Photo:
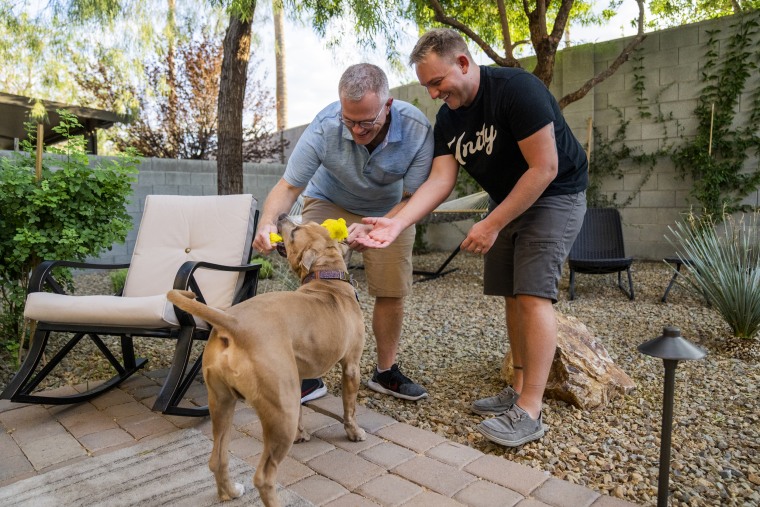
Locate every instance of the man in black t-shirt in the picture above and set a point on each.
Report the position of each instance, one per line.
(504, 128)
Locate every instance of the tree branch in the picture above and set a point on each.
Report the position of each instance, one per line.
(614, 66)
(539, 15)
(506, 37)
(560, 22)
(440, 16)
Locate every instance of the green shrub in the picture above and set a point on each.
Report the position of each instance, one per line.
(725, 265)
(118, 277)
(75, 211)
(267, 270)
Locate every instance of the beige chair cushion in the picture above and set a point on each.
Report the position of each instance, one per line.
(174, 229)
(150, 312)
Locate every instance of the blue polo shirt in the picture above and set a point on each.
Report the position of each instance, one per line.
(332, 167)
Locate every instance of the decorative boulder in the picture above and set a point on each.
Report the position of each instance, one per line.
(582, 374)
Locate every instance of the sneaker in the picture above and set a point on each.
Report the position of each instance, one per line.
(312, 388)
(495, 405)
(512, 429)
(396, 384)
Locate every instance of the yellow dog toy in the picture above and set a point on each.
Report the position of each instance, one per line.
(337, 229)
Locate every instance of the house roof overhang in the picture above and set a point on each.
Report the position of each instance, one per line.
(14, 111)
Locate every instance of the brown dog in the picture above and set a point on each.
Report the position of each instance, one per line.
(260, 350)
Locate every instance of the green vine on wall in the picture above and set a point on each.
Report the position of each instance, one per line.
(613, 158)
(608, 160)
(639, 86)
(716, 156)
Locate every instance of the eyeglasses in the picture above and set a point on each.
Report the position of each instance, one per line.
(366, 125)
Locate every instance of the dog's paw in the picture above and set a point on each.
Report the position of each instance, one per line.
(302, 436)
(235, 491)
(356, 435)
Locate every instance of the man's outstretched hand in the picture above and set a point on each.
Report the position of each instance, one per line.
(384, 232)
(356, 234)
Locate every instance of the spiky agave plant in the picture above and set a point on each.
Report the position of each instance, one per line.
(724, 265)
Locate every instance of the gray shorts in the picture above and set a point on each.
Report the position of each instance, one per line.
(528, 254)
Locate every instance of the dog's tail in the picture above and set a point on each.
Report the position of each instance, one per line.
(186, 301)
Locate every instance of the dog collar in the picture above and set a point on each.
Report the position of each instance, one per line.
(327, 275)
(331, 275)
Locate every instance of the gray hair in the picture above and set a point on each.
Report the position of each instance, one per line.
(363, 78)
(444, 42)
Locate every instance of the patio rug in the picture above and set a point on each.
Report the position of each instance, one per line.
(168, 470)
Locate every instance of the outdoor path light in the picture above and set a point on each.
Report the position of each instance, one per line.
(671, 347)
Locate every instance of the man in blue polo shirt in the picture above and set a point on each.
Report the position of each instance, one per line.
(364, 155)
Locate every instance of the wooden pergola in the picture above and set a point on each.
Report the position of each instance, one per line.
(14, 111)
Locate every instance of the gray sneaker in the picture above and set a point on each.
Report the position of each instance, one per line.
(495, 405)
(513, 428)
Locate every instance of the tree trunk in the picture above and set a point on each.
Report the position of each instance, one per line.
(279, 63)
(232, 84)
(172, 129)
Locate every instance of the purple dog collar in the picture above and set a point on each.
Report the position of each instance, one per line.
(327, 275)
(331, 275)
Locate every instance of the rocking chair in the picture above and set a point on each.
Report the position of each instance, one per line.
(199, 243)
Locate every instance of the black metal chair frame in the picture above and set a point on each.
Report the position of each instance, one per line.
(181, 374)
(432, 275)
(596, 254)
(446, 217)
(678, 262)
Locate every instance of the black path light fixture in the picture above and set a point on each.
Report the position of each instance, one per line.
(671, 347)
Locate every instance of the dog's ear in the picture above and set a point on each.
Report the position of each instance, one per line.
(307, 258)
(344, 249)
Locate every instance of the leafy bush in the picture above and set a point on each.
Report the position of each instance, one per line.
(73, 212)
(118, 278)
(267, 270)
(725, 265)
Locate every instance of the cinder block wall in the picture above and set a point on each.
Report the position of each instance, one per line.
(672, 66)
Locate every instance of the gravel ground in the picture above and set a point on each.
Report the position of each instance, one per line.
(453, 342)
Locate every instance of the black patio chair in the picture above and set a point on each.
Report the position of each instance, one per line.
(199, 243)
(599, 249)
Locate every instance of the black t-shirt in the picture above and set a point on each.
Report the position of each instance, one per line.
(511, 104)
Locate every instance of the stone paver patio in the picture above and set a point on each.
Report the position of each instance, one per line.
(398, 464)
